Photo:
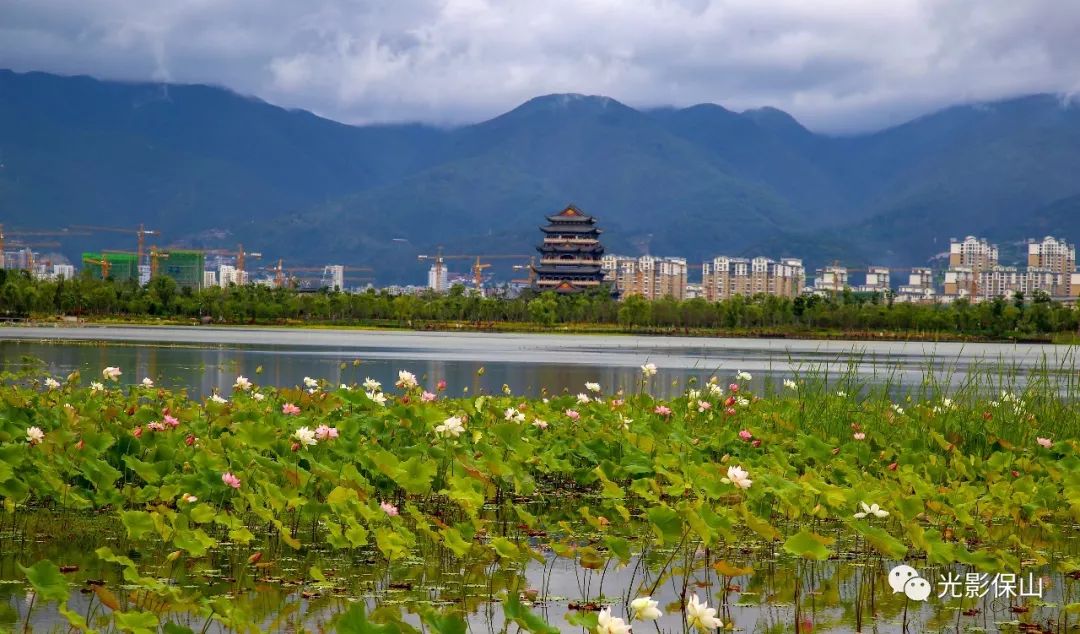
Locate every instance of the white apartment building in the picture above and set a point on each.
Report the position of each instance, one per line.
(877, 280)
(919, 287)
(648, 276)
(725, 277)
(831, 279)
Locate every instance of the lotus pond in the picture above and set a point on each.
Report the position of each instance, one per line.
(806, 506)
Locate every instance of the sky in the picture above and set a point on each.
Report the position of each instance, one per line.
(836, 65)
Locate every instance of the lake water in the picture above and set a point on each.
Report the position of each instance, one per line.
(205, 359)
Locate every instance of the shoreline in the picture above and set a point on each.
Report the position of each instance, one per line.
(579, 329)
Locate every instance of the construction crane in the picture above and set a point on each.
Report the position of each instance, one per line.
(477, 267)
(155, 256)
(350, 272)
(240, 254)
(531, 268)
(29, 246)
(103, 263)
(141, 232)
(9, 234)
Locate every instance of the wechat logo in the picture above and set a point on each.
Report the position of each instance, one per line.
(907, 580)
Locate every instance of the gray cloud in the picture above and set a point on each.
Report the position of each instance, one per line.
(837, 65)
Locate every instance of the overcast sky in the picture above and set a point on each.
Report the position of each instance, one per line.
(837, 65)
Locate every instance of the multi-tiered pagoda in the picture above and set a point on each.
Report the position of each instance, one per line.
(570, 254)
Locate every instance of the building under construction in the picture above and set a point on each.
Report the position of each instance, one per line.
(121, 267)
(186, 267)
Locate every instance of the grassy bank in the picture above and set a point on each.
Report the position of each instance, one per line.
(339, 495)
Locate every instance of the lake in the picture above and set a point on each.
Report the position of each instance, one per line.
(208, 359)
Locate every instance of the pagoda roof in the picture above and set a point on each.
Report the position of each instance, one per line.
(572, 214)
(557, 228)
(571, 269)
(595, 247)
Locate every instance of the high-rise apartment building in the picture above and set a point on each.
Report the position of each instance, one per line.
(648, 276)
(972, 252)
(832, 279)
(1052, 254)
(725, 277)
(878, 280)
(919, 287)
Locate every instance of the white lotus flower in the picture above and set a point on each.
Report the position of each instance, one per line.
(310, 382)
(715, 389)
(34, 435)
(743, 376)
(872, 509)
(111, 373)
(305, 436)
(513, 414)
(592, 387)
(649, 369)
(450, 427)
(583, 398)
(607, 624)
(791, 385)
(378, 397)
(147, 382)
(217, 398)
(52, 383)
(700, 615)
(96, 387)
(644, 609)
(371, 385)
(258, 396)
(406, 380)
(896, 408)
(841, 393)
(242, 383)
(739, 477)
(540, 423)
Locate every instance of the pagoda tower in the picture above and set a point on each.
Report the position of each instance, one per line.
(570, 253)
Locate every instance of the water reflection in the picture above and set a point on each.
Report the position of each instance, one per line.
(203, 360)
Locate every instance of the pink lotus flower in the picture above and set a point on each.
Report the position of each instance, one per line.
(572, 414)
(703, 406)
(171, 421)
(323, 432)
(746, 435)
(137, 432)
(859, 435)
(190, 440)
(289, 409)
(730, 411)
(616, 402)
(427, 397)
(755, 443)
(231, 480)
(729, 401)
(155, 426)
(1044, 442)
(441, 385)
(662, 410)
(389, 509)
(734, 387)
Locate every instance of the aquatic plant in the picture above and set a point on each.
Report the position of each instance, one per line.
(684, 496)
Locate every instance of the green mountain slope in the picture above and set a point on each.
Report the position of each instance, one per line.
(212, 168)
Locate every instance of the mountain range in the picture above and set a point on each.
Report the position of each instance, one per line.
(211, 168)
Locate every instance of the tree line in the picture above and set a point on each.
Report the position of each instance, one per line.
(848, 311)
